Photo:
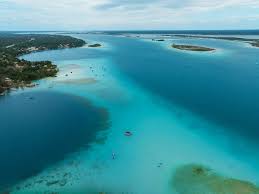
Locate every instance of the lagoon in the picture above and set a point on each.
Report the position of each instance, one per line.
(181, 108)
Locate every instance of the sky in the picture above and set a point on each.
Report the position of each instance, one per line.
(128, 14)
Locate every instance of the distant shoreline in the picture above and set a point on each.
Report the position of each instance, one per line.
(195, 32)
(251, 41)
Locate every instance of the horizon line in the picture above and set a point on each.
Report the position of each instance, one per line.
(255, 29)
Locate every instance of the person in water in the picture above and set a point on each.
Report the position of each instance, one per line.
(113, 155)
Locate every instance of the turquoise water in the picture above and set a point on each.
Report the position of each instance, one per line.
(182, 107)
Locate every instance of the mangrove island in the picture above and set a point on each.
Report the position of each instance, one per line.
(16, 72)
(94, 45)
(191, 48)
(158, 40)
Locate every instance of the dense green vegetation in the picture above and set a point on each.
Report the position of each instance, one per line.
(158, 40)
(94, 45)
(15, 72)
(255, 43)
(191, 47)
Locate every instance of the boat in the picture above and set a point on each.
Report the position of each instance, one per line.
(128, 133)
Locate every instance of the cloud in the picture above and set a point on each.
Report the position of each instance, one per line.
(175, 4)
(127, 14)
(126, 4)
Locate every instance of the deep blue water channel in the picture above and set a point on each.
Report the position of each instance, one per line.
(41, 128)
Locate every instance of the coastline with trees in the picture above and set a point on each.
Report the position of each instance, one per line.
(16, 72)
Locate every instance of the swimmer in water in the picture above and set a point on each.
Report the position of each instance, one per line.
(113, 155)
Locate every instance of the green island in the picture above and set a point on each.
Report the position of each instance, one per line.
(158, 40)
(252, 42)
(16, 72)
(192, 48)
(94, 45)
(198, 179)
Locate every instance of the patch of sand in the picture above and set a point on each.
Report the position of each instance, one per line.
(197, 179)
(81, 81)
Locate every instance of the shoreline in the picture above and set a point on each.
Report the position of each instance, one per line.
(20, 73)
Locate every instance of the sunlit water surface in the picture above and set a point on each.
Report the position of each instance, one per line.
(181, 107)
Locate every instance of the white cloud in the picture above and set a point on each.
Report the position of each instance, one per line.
(127, 14)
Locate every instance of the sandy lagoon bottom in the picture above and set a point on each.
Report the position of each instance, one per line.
(165, 139)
